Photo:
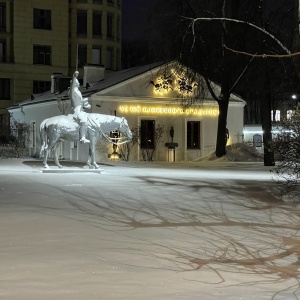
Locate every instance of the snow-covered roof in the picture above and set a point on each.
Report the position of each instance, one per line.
(111, 79)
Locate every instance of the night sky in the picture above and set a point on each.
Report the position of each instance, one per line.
(134, 18)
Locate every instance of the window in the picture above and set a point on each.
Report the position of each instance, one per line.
(147, 134)
(275, 115)
(109, 26)
(82, 22)
(119, 29)
(82, 55)
(4, 88)
(97, 1)
(110, 2)
(2, 51)
(40, 87)
(97, 30)
(108, 59)
(96, 60)
(33, 134)
(41, 55)
(2, 16)
(193, 135)
(289, 114)
(42, 18)
(81, 1)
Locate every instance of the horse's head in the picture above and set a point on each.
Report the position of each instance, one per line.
(124, 128)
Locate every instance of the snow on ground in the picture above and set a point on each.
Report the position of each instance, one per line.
(203, 230)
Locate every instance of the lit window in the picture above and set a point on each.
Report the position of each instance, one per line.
(275, 115)
(289, 114)
(41, 18)
(193, 135)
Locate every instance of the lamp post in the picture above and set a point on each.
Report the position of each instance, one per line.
(171, 146)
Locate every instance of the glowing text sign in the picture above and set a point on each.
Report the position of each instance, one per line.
(169, 110)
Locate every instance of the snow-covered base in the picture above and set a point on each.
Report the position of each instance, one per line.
(147, 231)
(236, 152)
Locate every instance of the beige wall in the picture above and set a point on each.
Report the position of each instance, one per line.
(20, 36)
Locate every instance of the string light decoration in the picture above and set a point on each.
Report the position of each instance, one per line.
(178, 82)
(163, 85)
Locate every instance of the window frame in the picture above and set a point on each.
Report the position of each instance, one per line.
(190, 137)
(97, 30)
(5, 89)
(42, 55)
(2, 16)
(42, 19)
(81, 23)
(146, 134)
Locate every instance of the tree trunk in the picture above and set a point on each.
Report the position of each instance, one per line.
(222, 122)
(265, 109)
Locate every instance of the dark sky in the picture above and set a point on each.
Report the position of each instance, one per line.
(134, 17)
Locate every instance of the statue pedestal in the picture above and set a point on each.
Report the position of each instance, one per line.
(72, 170)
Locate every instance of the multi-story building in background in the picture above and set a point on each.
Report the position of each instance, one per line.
(39, 38)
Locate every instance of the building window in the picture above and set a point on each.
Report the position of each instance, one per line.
(40, 87)
(42, 19)
(275, 115)
(96, 59)
(97, 1)
(193, 135)
(82, 22)
(41, 55)
(147, 134)
(81, 1)
(110, 2)
(4, 88)
(33, 134)
(82, 55)
(109, 56)
(109, 26)
(289, 114)
(2, 16)
(97, 30)
(2, 51)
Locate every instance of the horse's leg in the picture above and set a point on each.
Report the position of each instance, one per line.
(92, 153)
(55, 148)
(46, 152)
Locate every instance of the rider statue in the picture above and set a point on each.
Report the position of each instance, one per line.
(79, 104)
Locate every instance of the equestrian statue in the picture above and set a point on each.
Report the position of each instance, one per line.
(80, 126)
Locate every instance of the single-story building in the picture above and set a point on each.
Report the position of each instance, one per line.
(147, 99)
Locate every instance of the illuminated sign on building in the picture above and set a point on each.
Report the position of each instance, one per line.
(169, 110)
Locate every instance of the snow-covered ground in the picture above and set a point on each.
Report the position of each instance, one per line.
(202, 230)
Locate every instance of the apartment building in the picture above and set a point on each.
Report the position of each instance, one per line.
(39, 38)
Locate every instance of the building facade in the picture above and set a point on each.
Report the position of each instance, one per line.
(130, 94)
(39, 37)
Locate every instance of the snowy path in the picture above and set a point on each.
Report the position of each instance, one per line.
(146, 231)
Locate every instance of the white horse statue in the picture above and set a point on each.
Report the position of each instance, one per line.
(58, 128)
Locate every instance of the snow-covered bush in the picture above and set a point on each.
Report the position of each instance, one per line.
(286, 147)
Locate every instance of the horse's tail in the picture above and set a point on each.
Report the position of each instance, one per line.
(43, 136)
